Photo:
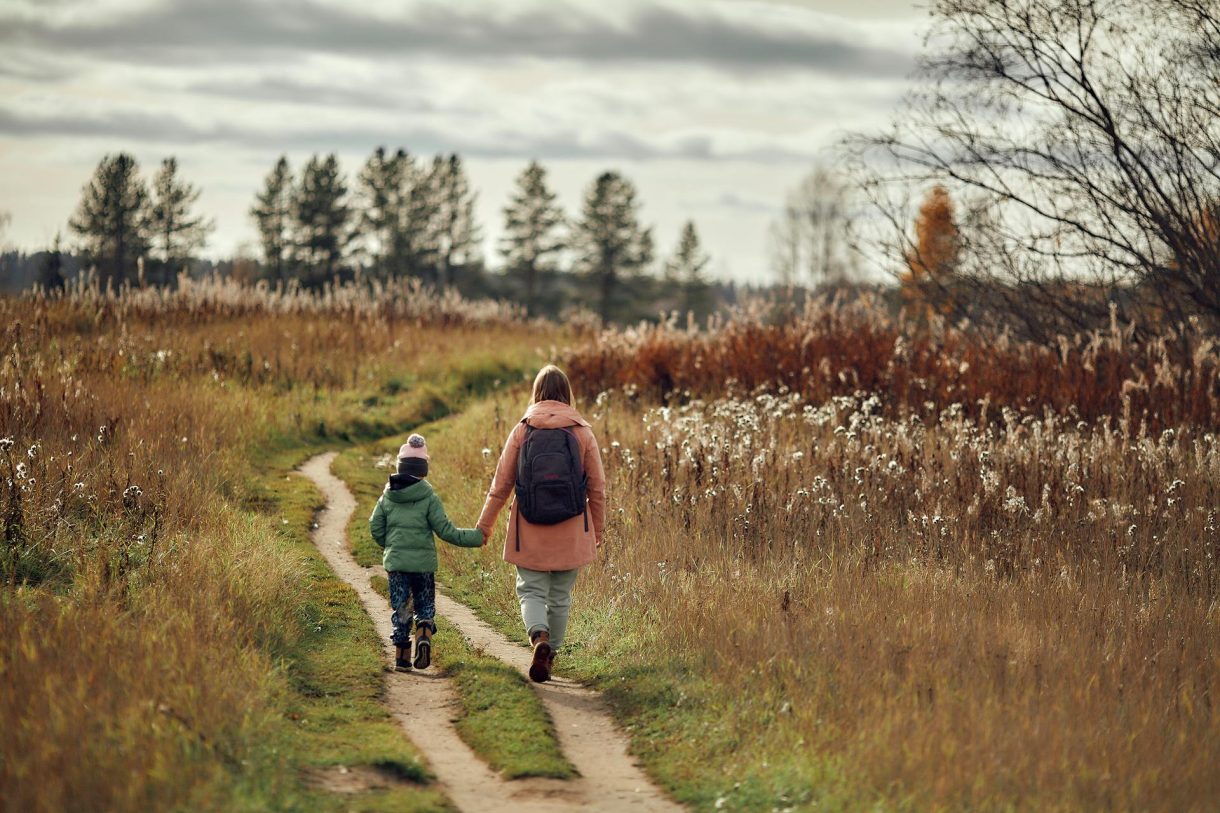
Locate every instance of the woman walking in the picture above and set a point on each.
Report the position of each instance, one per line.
(553, 464)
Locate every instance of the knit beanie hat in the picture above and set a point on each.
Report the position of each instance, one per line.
(415, 446)
(413, 457)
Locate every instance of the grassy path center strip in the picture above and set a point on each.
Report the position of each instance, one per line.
(424, 701)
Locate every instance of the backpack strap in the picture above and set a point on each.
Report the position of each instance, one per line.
(517, 508)
(517, 523)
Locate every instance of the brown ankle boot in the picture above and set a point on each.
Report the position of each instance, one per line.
(402, 659)
(544, 654)
(423, 645)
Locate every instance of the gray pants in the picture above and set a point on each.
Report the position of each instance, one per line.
(546, 597)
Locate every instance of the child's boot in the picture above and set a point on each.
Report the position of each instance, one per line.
(544, 655)
(402, 658)
(423, 643)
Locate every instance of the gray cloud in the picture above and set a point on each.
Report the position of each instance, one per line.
(714, 108)
(732, 200)
(291, 91)
(201, 32)
(34, 68)
(128, 126)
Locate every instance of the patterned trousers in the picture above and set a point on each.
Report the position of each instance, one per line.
(411, 591)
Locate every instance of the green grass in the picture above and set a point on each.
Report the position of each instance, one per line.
(333, 683)
(331, 678)
(357, 466)
(501, 718)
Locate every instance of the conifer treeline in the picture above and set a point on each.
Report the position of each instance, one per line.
(129, 233)
(404, 215)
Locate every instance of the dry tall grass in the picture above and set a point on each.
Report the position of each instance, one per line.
(141, 611)
(982, 573)
(991, 584)
(829, 349)
(905, 613)
(970, 615)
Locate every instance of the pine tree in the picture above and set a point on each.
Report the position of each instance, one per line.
(933, 257)
(610, 242)
(51, 270)
(456, 233)
(176, 232)
(532, 239)
(273, 216)
(418, 236)
(112, 219)
(685, 270)
(384, 188)
(322, 230)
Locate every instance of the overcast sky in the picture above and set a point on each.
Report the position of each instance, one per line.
(713, 108)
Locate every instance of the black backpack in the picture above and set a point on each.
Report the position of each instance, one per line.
(551, 479)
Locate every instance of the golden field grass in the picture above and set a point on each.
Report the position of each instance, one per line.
(161, 599)
(851, 562)
(819, 607)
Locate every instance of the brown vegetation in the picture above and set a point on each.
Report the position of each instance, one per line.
(856, 611)
(831, 349)
(142, 608)
(1080, 140)
(932, 259)
(971, 573)
(962, 615)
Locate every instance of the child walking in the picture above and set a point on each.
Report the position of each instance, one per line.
(553, 464)
(407, 515)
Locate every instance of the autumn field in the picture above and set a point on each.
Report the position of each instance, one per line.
(852, 561)
(171, 640)
(896, 324)
(940, 592)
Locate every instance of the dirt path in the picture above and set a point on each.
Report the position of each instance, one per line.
(424, 703)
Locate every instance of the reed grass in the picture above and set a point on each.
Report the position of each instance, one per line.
(152, 625)
(819, 606)
(830, 348)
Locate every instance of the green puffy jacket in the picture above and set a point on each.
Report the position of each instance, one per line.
(405, 520)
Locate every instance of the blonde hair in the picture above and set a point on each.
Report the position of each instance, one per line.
(551, 384)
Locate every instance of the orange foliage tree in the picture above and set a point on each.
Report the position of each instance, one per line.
(932, 258)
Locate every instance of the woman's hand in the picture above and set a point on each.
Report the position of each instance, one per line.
(486, 536)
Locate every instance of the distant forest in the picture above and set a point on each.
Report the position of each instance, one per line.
(399, 216)
(1101, 208)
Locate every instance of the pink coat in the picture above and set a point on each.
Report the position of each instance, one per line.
(566, 545)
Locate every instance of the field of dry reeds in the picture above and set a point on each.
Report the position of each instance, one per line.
(973, 616)
(988, 584)
(852, 562)
(145, 603)
(827, 349)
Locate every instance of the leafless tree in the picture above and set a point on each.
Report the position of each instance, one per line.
(810, 241)
(1083, 139)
